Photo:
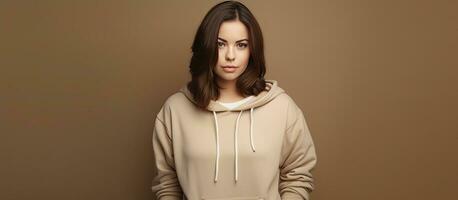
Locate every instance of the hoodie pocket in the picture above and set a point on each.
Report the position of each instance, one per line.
(234, 198)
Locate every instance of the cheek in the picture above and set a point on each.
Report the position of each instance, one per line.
(245, 56)
(221, 57)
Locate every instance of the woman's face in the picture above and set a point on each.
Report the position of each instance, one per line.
(233, 50)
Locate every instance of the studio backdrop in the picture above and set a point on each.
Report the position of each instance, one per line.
(81, 82)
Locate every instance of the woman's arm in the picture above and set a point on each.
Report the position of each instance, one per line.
(165, 183)
(298, 157)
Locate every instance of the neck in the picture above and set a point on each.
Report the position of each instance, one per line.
(229, 92)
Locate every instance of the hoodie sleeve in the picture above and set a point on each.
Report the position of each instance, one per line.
(298, 158)
(165, 182)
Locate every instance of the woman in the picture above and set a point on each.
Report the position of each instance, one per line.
(228, 133)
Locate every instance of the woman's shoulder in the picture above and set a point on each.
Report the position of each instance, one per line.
(291, 106)
(171, 102)
(175, 99)
(285, 99)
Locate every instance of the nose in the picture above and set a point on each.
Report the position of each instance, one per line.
(230, 54)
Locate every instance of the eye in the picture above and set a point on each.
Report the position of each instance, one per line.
(220, 44)
(242, 45)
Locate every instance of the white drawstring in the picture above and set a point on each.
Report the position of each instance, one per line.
(217, 147)
(251, 129)
(235, 142)
(236, 146)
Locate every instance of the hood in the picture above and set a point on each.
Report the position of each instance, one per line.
(272, 91)
(264, 97)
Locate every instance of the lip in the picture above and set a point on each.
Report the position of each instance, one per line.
(229, 69)
(229, 66)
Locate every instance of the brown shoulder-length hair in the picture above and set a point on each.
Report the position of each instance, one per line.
(203, 85)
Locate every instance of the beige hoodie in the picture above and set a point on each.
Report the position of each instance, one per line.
(261, 149)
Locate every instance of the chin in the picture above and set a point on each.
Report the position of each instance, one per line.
(228, 78)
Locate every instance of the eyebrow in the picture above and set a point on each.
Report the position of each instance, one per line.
(235, 42)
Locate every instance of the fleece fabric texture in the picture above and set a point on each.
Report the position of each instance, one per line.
(262, 149)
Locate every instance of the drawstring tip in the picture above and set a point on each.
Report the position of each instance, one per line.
(252, 147)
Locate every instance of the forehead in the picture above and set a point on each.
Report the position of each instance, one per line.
(233, 30)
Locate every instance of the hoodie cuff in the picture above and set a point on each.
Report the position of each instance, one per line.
(293, 196)
(170, 198)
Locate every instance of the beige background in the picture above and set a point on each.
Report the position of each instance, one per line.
(81, 80)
